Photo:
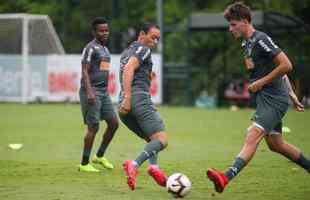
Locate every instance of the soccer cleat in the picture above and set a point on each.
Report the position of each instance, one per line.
(131, 173)
(88, 168)
(218, 178)
(158, 175)
(102, 161)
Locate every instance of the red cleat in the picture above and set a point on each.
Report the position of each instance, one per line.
(131, 172)
(218, 178)
(158, 175)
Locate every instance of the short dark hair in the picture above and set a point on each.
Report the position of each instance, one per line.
(98, 20)
(145, 27)
(238, 11)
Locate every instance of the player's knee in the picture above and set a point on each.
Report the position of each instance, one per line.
(164, 141)
(254, 136)
(277, 148)
(93, 129)
(162, 137)
(273, 148)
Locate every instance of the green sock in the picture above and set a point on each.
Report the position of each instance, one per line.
(153, 159)
(235, 168)
(151, 149)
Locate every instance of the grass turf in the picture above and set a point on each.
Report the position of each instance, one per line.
(52, 134)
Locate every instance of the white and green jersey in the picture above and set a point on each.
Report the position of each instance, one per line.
(93, 54)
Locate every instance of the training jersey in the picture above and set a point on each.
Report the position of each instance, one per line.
(141, 81)
(93, 54)
(261, 50)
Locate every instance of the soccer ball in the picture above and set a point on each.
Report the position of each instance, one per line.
(178, 185)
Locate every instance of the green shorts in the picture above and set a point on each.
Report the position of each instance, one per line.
(102, 110)
(269, 113)
(143, 119)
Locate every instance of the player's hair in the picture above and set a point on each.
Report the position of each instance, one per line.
(98, 20)
(145, 27)
(238, 11)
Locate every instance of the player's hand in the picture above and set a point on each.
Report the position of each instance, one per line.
(91, 98)
(297, 104)
(256, 86)
(249, 63)
(125, 106)
(152, 75)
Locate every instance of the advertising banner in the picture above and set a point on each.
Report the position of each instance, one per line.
(64, 74)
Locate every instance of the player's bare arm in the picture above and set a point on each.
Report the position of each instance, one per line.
(85, 75)
(283, 66)
(297, 104)
(128, 73)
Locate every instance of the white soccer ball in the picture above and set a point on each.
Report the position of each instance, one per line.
(178, 185)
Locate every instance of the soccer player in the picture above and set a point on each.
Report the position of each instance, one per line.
(136, 109)
(269, 88)
(96, 104)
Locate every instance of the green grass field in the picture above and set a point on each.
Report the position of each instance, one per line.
(46, 167)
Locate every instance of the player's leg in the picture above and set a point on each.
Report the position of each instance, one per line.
(129, 166)
(277, 144)
(112, 126)
(151, 129)
(153, 170)
(158, 141)
(154, 129)
(254, 136)
(153, 160)
(264, 120)
(91, 119)
(88, 144)
(134, 127)
(152, 126)
(109, 115)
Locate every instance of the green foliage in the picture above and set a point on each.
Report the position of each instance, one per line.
(212, 57)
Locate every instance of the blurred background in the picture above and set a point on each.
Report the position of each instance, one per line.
(198, 61)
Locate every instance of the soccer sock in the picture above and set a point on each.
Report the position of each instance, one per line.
(85, 157)
(107, 137)
(101, 150)
(153, 159)
(303, 162)
(235, 168)
(151, 149)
